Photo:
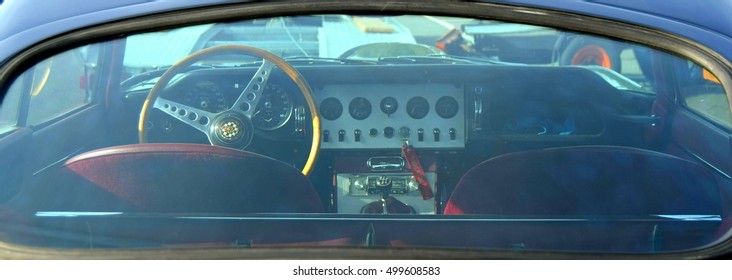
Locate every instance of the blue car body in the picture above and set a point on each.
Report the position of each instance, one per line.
(710, 24)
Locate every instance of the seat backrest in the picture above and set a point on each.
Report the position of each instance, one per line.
(188, 178)
(586, 180)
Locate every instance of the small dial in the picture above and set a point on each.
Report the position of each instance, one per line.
(331, 108)
(359, 108)
(389, 105)
(446, 107)
(418, 107)
(274, 109)
(207, 96)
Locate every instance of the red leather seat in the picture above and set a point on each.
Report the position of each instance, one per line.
(187, 178)
(586, 180)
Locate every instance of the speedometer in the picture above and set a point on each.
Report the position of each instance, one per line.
(274, 109)
(207, 96)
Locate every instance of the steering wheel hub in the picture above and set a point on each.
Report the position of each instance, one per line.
(232, 130)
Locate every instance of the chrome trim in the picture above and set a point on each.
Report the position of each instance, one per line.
(385, 163)
(692, 217)
(706, 163)
(60, 161)
(430, 218)
(74, 214)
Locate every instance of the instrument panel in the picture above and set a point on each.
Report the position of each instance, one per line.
(273, 111)
(362, 108)
(356, 116)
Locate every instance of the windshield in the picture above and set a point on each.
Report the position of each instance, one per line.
(366, 131)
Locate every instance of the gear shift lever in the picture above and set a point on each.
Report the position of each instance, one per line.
(384, 184)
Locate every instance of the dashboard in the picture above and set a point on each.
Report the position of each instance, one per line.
(434, 107)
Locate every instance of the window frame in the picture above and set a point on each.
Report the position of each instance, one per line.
(25, 82)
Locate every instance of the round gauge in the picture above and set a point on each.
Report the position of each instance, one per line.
(274, 108)
(446, 107)
(331, 108)
(389, 105)
(206, 96)
(418, 107)
(359, 108)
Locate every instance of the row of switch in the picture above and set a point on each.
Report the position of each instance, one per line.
(389, 133)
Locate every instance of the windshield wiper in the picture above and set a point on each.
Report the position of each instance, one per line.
(433, 58)
(442, 58)
(328, 60)
(150, 77)
(142, 78)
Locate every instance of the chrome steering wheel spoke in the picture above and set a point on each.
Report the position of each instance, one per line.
(249, 98)
(196, 118)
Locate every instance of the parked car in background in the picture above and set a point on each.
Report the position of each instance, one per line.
(329, 129)
(287, 37)
(538, 45)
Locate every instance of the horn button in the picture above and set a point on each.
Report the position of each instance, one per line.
(231, 130)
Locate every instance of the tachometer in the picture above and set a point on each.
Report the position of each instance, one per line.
(207, 96)
(274, 109)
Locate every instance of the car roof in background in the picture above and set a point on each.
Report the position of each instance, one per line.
(709, 25)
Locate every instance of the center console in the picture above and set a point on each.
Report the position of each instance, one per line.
(365, 126)
(358, 182)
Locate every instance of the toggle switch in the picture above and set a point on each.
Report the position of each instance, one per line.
(326, 135)
(436, 134)
(357, 135)
(341, 135)
(453, 133)
(420, 134)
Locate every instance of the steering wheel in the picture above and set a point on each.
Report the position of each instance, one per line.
(233, 127)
